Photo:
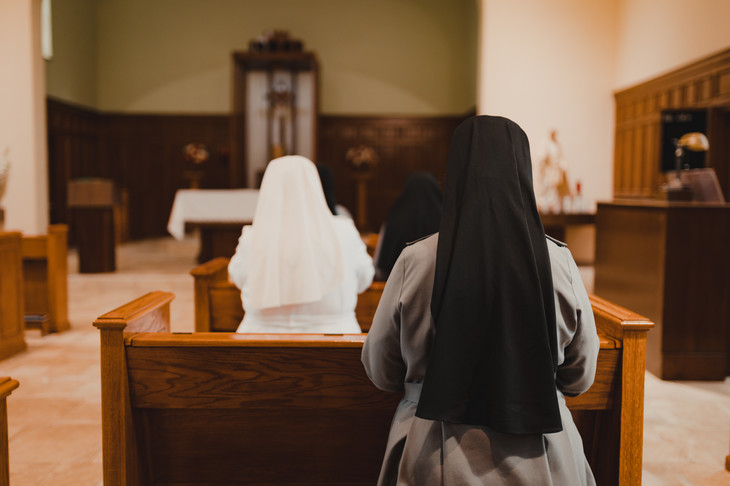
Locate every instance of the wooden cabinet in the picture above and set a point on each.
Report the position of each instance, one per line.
(669, 261)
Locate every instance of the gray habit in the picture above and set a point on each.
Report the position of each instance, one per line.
(422, 452)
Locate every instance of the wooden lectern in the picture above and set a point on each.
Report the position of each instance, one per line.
(91, 202)
(670, 262)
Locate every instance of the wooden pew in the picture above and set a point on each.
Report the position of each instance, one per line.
(45, 273)
(610, 416)
(12, 328)
(213, 370)
(218, 302)
(7, 385)
(227, 408)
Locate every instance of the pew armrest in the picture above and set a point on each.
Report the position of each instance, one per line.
(212, 272)
(149, 313)
(613, 321)
(7, 385)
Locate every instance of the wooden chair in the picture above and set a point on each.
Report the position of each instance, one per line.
(227, 408)
(12, 327)
(45, 273)
(218, 302)
(142, 373)
(7, 386)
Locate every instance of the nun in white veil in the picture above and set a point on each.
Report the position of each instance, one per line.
(299, 267)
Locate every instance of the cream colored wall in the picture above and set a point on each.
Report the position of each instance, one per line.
(411, 57)
(71, 74)
(22, 116)
(550, 65)
(656, 36)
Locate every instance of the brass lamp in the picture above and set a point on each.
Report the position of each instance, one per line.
(694, 141)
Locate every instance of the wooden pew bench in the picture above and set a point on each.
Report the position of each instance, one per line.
(192, 406)
(45, 274)
(218, 305)
(226, 408)
(7, 386)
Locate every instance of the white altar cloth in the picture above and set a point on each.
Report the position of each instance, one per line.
(211, 206)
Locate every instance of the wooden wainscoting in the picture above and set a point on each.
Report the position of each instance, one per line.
(403, 145)
(73, 151)
(144, 153)
(704, 84)
(140, 153)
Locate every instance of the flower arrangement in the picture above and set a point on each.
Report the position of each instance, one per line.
(362, 157)
(196, 153)
(4, 171)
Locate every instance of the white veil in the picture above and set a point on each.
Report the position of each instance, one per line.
(296, 256)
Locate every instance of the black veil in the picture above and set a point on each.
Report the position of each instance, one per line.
(495, 350)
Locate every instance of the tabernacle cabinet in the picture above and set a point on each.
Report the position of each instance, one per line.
(275, 106)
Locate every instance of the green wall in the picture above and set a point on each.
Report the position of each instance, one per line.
(72, 73)
(379, 57)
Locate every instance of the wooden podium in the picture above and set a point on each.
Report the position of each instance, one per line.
(670, 262)
(92, 202)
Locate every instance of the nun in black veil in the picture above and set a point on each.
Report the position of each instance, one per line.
(486, 327)
(328, 187)
(415, 214)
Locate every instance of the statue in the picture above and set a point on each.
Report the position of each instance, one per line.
(4, 171)
(281, 103)
(554, 195)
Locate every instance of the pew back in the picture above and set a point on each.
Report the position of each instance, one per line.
(226, 408)
(299, 408)
(218, 305)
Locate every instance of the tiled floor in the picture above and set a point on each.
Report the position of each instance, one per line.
(55, 418)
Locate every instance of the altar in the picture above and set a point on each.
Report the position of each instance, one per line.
(218, 214)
